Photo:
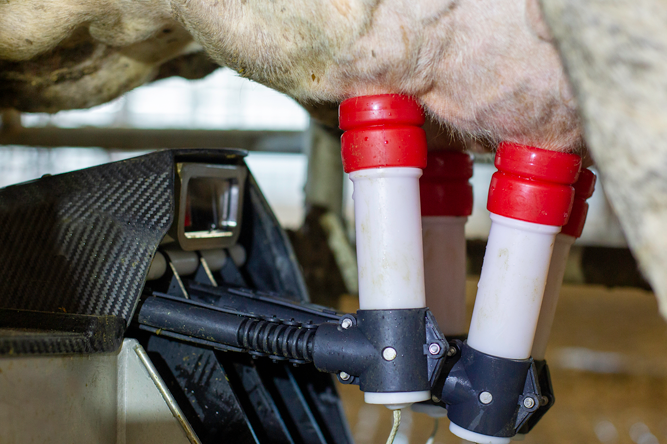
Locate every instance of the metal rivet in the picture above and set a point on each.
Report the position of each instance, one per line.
(434, 348)
(346, 323)
(343, 376)
(451, 351)
(389, 354)
(529, 403)
(485, 398)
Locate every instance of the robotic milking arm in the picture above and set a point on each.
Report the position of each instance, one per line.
(134, 254)
(496, 383)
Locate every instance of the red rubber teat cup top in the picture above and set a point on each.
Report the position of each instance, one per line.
(444, 188)
(583, 189)
(382, 131)
(532, 184)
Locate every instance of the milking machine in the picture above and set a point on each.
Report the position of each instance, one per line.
(178, 252)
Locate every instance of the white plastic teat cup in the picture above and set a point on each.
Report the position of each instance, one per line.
(384, 151)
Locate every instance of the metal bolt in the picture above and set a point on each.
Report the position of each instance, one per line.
(346, 323)
(343, 376)
(485, 398)
(389, 354)
(529, 403)
(434, 348)
(451, 351)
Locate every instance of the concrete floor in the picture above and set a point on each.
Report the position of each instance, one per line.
(608, 361)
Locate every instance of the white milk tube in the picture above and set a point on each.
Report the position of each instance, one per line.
(389, 243)
(551, 291)
(445, 271)
(509, 294)
(530, 198)
(446, 202)
(583, 189)
(384, 151)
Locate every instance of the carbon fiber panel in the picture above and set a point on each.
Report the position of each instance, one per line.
(82, 242)
(36, 332)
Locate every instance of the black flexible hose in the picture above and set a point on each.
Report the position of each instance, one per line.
(255, 335)
(277, 339)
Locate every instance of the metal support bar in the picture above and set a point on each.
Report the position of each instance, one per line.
(144, 139)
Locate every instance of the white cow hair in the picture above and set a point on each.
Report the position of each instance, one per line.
(616, 56)
(31, 27)
(64, 54)
(482, 67)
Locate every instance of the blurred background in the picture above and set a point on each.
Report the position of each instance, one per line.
(608, 353)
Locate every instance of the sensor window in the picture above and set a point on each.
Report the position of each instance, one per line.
(211, 207)
(209, 203)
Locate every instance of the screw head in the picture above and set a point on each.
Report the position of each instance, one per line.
(434, 348)
(344, 376)
(346, 323)
(451, 351)
(485, 398)
(529, 403)
(389, 353)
